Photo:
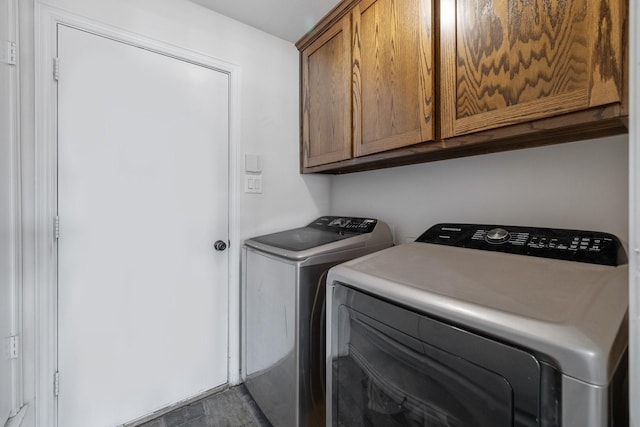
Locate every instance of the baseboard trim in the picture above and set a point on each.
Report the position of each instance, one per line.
(16, 420)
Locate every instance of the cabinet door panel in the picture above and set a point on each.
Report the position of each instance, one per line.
(510, 61)
(326, 68)
(392, 74)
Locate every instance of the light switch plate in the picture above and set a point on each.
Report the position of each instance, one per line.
(252, 163)
(253, 184)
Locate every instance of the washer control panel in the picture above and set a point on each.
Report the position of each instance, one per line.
(497, 235)
(341, 224)
(570, 245)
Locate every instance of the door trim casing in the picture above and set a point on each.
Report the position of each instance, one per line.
(14, 244)
(45, 152)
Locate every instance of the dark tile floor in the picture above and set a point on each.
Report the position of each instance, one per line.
(233, 407)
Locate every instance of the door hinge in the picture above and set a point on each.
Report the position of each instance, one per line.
(13, 347)
(8, 53)
(56, 68)
(56, 383)
(56, 228)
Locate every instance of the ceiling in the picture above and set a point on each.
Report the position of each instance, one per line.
(287, 19)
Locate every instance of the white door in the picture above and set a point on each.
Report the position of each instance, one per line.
(142, 197)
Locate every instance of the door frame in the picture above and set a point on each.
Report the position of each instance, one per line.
(10, 32)
(634, 213)
(46, 19)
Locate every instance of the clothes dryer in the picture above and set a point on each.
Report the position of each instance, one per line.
(481, 325)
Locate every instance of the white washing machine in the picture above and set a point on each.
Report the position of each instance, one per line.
(283, 312)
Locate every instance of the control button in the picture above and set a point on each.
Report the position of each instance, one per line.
(497, 235)
(478, 235)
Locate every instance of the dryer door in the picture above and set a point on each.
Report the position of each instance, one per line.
(393, 367)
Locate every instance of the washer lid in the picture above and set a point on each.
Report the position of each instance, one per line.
(300, 239)
(573, 313)
(327, 234)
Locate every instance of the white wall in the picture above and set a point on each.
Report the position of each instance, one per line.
(580, 185)
(269, 103)
(268, 125)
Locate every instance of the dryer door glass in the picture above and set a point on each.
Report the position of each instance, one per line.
(394, 380)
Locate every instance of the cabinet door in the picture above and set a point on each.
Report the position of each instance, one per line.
(510, 61)
(392, 74)
(326, 87)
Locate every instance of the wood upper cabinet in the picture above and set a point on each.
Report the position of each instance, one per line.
(505, 62)
(509, 74)
(326, 96)
(392, 51)
(367, 82)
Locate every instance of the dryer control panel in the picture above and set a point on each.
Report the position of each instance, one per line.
(570, 245)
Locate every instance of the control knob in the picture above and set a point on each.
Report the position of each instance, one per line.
(497, 235)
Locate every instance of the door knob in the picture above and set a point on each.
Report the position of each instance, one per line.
(219, 245)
